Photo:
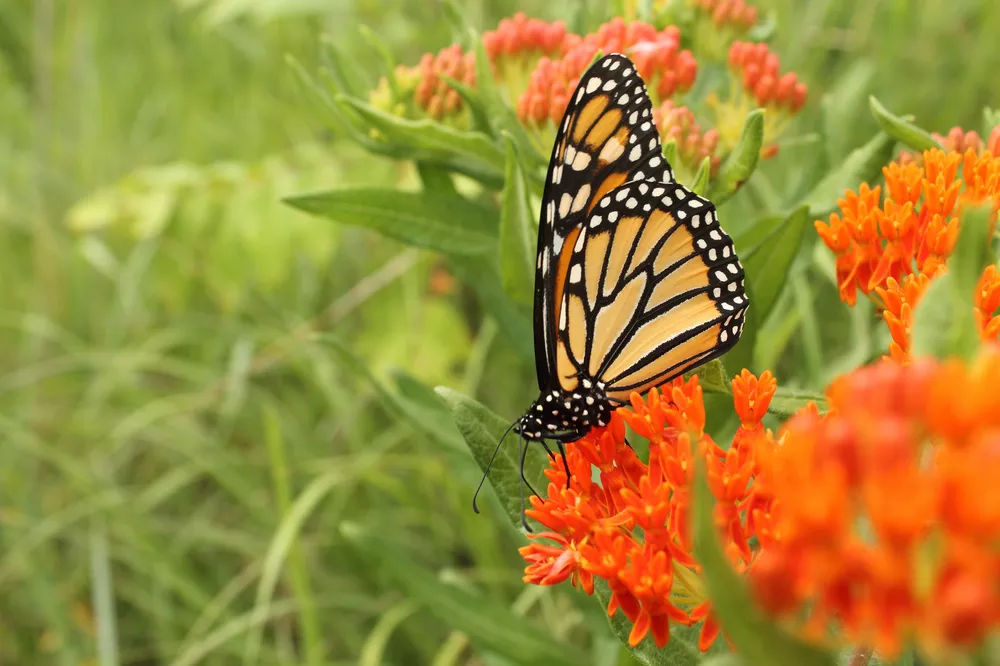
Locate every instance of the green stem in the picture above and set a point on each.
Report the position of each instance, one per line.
(309, 620)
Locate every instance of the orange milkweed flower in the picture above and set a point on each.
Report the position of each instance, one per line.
(913, 228)
(678, 124)
(660, 61)
(756, 81)
(631, 527)
(883, 517)
(958, 140)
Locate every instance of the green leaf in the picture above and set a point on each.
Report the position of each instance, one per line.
(670, 152)
(787, 401)
(429, 135)
(944, 323)
(700, 183)
(864, 164)
(768, 264)
(972, 249)
(434, 177)
(841, 105)
(681, 650)
(480, 118)
(740, 164)
(712, 377)
(517, 232)
(991, 118)
(725, 660)
(429, 219)
(486, 622)
(756, 638)
(482, 430)
(905, 132)
(748, 240)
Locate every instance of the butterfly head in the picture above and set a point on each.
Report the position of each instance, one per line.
(566, 415)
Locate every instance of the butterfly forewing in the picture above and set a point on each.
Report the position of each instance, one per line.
(654, 288)
(607, 138)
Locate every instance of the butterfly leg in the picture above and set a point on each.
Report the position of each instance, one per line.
(524, 455)
(562, 452)
(545, 446)
(520, 448)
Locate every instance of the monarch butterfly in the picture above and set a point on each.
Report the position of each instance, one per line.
(635, 280)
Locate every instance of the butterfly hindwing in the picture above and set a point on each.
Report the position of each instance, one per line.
(607, 138)
(654, 289)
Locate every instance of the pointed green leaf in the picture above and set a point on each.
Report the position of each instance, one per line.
(429, 135)
(482, 430)
(670, 152)
(472, 99)
(434, 177)
(517, 233)
(787, 401)
(384, 55)
(750, 238)
(740, 164)
(991, 119)
(944, 324)
(432, 220)
(712, 377)
(700, 183)
(905, 132)
(768, 264)
(725, 660)
(484, 620)
(756, 638)
(863, 165)
(973, 248)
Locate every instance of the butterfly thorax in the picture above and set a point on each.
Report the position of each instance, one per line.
(566, 415)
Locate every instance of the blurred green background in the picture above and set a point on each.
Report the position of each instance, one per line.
(199, 385)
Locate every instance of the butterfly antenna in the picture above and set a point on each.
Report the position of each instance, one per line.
(489, 465)
(562, 452)
(521, 482)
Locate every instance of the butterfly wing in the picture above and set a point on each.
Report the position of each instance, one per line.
(654, 289)
(607, 138)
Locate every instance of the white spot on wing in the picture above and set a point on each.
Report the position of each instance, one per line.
(575, 273)
(593, 84)
(564, 203)
(635, 153)
(581, 161)
(582, 196)
(611, 151)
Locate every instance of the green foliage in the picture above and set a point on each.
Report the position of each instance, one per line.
(943, 321)
(211, 453)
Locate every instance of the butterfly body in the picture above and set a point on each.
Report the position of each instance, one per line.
(566, 415)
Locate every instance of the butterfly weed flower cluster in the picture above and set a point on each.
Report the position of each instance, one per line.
(891, 247)
(631, 526)
(536, 65)
(757, 81)
(879, 523)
